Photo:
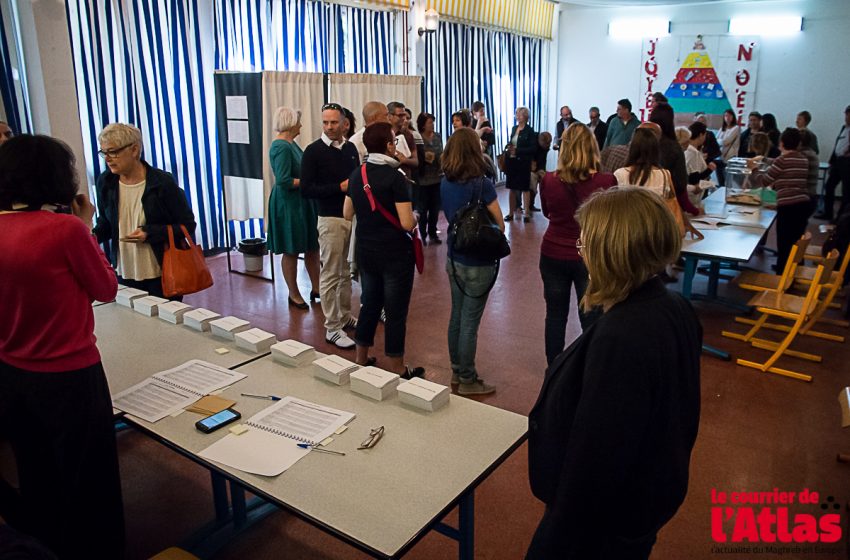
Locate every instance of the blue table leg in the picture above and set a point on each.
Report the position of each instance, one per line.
(466, 525)
(713, 277)
(688, 280)
(219, 490)
(240, 511)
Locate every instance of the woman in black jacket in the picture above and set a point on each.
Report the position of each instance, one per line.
(135, 204)
(611, 434)
(518, 155)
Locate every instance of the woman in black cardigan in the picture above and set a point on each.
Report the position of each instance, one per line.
(611, 434)
(519, 154)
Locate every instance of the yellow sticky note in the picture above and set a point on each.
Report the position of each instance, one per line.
(326, 441)
(238, 429)
(341, 429)
(221, 350)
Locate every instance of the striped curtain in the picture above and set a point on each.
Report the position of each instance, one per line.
(365, 41)
(12, 90)
(144, 63)
(502, 70)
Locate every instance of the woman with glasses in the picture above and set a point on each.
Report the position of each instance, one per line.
(136, 203)
(561, 267)
(293, 219)
(619, 409)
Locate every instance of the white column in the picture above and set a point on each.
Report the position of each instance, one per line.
(50, 74)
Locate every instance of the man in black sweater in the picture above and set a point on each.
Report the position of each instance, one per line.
(325, 167)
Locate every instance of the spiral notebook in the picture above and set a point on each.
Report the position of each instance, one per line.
(270, 446)
(171, 390)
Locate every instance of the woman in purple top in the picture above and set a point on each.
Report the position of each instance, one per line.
(561, 266)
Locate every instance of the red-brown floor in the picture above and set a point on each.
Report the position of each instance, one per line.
(758, 431)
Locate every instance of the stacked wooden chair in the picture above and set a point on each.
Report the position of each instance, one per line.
(776, 284)
(802, 311)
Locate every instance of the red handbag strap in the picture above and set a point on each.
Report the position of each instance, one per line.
(377, 205)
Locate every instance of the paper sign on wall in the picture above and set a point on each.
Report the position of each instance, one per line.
(237, 132)
(237, 106)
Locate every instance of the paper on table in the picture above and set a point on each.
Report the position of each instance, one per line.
(335, 364)
(237, 106)
(237, 132)
(300, 420)
(256, 452)
(706, 222)
(153, 400)
(200, 376)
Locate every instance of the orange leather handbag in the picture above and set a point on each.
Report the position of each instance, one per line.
(184, 270)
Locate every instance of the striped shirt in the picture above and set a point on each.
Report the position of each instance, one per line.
(788, 176)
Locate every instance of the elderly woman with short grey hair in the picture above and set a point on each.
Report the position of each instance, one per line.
(136, 203)
(293, 219)
(519, 154)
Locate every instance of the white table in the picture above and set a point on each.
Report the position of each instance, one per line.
(381, 500)
(134, 347)
(734, 241)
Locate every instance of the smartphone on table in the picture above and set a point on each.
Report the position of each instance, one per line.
(217, 420)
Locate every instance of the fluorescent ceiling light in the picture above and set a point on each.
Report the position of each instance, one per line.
(638, 28)
(765, 25)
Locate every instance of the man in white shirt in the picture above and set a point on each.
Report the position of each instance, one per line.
(373, 112)
(839, 172)
(405, 145)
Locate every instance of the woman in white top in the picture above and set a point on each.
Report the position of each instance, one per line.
(642, 169)
(698, 170)
(729, 136)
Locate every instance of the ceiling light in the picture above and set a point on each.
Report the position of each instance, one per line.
(765, 25)
(638, 28)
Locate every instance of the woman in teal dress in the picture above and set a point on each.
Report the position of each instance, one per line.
(292, 218)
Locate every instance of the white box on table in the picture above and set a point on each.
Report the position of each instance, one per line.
(173, 311)
(373, 382)
(126, 296)
(227, 327)
(255, 340)
(293, 353)
(148, 305)
(423, 394)
(199, 319)
(334, 369)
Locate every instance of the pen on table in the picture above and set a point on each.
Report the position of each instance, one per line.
(320, 450)
(267, 397)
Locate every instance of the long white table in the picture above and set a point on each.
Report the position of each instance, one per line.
(381, 500)
(134, 347)
(734, 241)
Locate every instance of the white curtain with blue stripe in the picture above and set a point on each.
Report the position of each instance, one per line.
(365, 41)
(464, 64)
(146, 63)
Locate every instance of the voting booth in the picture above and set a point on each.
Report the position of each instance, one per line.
(245, 105)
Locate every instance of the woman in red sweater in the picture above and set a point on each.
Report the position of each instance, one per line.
(55, 406)
(561, 193)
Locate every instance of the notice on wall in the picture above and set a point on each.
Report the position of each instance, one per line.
(237, 132)
(237, 106)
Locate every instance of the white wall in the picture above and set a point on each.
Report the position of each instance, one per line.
(806, 71)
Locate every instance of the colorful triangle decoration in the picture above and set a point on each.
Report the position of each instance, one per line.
(697, 88)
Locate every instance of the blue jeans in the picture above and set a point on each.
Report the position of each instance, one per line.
(558, 279)
(466, 315)
(386, 281)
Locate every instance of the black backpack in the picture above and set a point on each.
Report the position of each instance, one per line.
(474, 233)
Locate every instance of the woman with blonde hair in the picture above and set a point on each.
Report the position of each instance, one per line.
(470, 279)
(293, 219)
(619, 410)
(561, 194)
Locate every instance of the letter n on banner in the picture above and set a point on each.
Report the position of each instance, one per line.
(738, 67)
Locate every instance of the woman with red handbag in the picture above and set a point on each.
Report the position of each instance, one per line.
(385, 250)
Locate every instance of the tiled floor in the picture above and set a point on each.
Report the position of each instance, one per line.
(758, 431)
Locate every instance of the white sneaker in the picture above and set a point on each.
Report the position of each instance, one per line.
(339, 339)
(351, 323)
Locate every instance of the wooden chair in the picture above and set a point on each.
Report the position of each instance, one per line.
(776, 284)
(174, 553)
(803, 277)
(801, 310)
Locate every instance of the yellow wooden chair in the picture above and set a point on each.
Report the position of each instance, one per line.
(799, 309)
(803, 277)
(174, 553)
(776, 284)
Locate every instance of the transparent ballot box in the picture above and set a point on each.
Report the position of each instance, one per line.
(739, 187)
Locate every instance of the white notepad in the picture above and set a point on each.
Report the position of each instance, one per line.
(173, 311)
(255, 340)
(199, 319)
(423, 394)
(227, 327)
(148, 305)
(270, 446)
(168, 391)
(126, 296)
(374, 382)
(292, 352)
(334, 369)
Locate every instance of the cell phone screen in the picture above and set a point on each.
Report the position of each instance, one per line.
(216, 420)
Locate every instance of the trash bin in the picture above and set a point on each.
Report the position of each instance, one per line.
(253, 250)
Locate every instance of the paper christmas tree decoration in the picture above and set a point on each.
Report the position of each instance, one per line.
(696, 86)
